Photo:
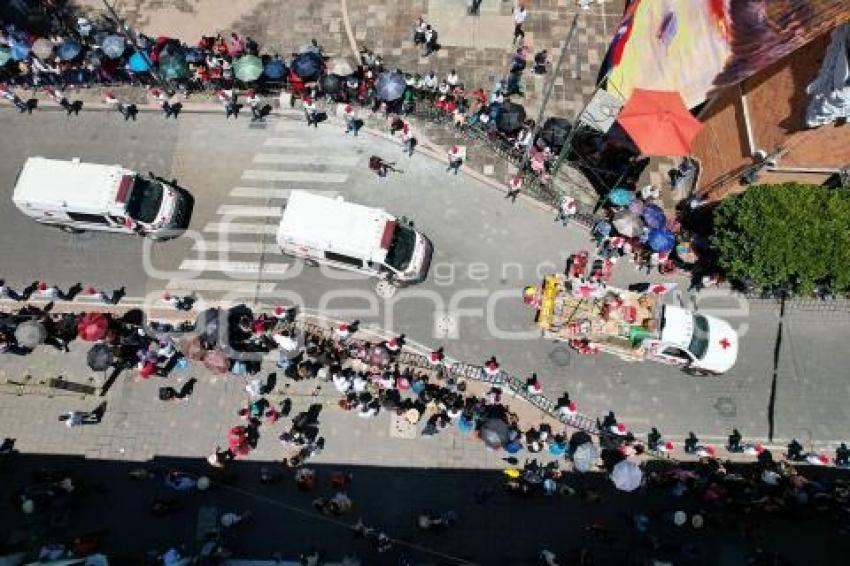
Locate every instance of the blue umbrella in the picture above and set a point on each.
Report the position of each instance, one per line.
(620, 196)
(274, 69)
(654, 217)
(69, 50)
(113, 46)
(139, 63)
(661, 240)
(308, 66)
(194, 55)
(390, 86)
(20, 51)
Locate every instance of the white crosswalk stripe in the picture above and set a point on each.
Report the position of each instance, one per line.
(240, 228)
(300, 176)
(239, 210)
(226, 266)
(226, 247)
(226, 285)
(298, 159)
(283, 142)
(272, 193)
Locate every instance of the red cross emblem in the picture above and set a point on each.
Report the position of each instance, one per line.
(725, 343)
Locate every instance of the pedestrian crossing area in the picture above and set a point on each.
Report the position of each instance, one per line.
(237, 252)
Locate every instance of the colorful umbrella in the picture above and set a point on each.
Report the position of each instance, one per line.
(584, 457)
(390, 86)
(659, 122)
(654, 216)
(92, 327)
(495, 433)
(195, 55)
(5, 55)
(68, 50)
(620, 196)
(275, 69)
(248, 68)
(173, 68)
(20, 51)
(511, 118)
(43, 48)
(113, 46)
(139, 63)
(331, 84)
(661, 240)
(308, 66)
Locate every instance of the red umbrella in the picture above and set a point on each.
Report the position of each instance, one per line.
(659, 122)
(92, 327)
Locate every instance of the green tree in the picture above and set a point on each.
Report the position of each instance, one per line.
(790, 236)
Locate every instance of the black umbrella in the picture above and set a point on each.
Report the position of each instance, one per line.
(308, 66)
(207, 325)
(511, 118)
(100, 357)
(390, 86)
(555, 132)
(331, 84)
(495, 433)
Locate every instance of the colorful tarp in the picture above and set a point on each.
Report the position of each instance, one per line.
(697, 46)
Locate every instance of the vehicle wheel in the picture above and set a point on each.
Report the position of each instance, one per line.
(71, 230)
(696, 371)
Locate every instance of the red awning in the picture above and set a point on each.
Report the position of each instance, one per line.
(659, 123)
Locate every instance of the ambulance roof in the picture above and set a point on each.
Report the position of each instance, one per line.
(334, 225)
(58, 183)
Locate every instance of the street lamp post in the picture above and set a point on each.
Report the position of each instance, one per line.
(549, 87)
(130, 35)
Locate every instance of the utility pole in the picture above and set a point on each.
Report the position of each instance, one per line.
(130, 35)
(538, 125)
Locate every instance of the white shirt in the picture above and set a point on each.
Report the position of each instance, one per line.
(430, 81)
(568, 206)
(520, 14)
(452, 79)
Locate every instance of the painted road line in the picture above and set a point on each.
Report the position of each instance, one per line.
(284, 142)
(228, 285)
(298, 159)
(226, 266)
(272, 193)
(240, 210)
(240, 228)
(227, 247)
(304, 176)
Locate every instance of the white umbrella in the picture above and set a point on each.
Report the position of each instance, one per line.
(340, 66)
(584, 458)
(627, 475)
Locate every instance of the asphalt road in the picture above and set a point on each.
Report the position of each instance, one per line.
(486, 251)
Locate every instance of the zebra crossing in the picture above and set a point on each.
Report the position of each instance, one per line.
(237, 252)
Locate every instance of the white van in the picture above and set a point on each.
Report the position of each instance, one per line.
(354, 237)
(78, 196)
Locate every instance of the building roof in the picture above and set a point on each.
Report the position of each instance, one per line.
(336, 225)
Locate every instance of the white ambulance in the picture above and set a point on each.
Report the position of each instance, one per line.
(353, 237)
(78, 197)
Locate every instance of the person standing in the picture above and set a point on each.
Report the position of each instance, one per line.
(455, 156)
(408, 140)
(430, 40)
(351, 123)
(419, 31)
(520, 14)
(256, 106)
(474, 9)
(310, 112)
(228, 98)
(567, 209)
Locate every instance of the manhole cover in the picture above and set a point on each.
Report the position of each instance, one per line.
(385, 289)
(560, 356)
(726, 407)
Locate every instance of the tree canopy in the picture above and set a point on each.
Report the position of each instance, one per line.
(787, 236)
